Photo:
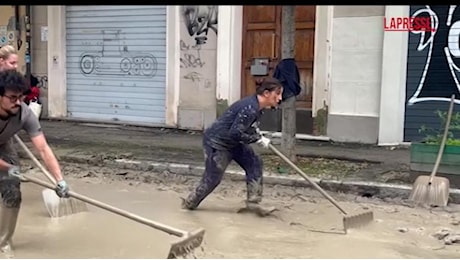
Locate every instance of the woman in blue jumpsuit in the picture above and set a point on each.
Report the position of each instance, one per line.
(228, 139)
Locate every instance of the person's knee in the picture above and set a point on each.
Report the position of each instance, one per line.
(11, 193)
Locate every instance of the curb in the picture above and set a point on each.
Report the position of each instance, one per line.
(360, 188)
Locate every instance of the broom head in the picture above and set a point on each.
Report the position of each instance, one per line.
(357, 220)
(186, 245)
(435, 193)
(60, 207)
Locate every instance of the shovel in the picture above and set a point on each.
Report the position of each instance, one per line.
(185, 246)
(349, 221)
(431, 190)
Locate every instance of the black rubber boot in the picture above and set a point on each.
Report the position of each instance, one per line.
(254, 198)
(8, 220)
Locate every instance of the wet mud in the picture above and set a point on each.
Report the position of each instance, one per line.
(306, 225)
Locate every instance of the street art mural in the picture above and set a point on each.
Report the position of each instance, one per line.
(433, 67)
(442, 52)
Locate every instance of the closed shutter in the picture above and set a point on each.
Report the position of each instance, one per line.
(431, 78)
(116, 63)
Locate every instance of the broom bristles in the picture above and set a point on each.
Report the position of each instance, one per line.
(69, 206)
(186, 245)
(59, 207)
(435, 193)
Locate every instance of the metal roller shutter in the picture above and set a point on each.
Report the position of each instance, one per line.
(432, 74)
(116, 63)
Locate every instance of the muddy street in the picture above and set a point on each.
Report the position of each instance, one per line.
(306, 226)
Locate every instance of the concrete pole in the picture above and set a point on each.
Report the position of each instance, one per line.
(288, 127)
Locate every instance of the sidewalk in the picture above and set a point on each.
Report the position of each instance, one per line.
(125, 146)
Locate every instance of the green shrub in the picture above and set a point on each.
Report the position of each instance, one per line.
(433, 136)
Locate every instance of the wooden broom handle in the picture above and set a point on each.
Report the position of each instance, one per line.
(444, 138)
(124, 213)
(301, 173)
(35, 160)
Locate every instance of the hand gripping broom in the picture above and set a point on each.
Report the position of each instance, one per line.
(431, 190)
(56, 206)
(349, 221)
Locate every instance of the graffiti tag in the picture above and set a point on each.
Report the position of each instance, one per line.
(199, 20)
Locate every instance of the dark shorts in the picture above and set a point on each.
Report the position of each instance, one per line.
(10, 187)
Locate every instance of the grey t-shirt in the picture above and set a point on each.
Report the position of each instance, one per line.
(25, 119)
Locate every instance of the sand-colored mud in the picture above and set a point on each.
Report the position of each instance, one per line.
(397, 232)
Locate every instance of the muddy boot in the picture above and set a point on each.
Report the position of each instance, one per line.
(186, 204)
(191, 202)
(254, 198)
(8, 220)
(260, 210)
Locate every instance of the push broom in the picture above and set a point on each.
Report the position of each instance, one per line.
(428, 189)
(61, 206)
(185, 246)
(349, 220)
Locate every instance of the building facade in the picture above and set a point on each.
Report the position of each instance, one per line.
(181, 66)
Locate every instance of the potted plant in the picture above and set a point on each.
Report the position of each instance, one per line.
(423, 154)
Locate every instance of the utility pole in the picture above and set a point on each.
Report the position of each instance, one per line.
(288, 127)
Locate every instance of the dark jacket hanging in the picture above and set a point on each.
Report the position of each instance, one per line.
(288, 74)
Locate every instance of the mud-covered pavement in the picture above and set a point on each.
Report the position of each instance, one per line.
(398, 231)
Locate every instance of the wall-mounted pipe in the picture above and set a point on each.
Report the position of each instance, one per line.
(17, 22)
(28, 52)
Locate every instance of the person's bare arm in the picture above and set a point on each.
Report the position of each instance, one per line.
(47, 155)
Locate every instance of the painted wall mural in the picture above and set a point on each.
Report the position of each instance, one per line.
(433, 68)
(442, 51)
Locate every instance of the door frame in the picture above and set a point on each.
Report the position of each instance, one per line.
(229, 55)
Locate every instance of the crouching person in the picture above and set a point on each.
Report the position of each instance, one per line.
(228, 139)
(14, 116)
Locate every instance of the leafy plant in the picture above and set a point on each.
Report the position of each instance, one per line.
(433, 136)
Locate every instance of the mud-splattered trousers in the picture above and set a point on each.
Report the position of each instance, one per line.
(10, 187)
(216, 162)
(226, 140)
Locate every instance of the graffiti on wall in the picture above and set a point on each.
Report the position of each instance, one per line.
(441, 55)
(199, 80)
(191, 56)
(115, 59)
(199, 20)
(42, 81)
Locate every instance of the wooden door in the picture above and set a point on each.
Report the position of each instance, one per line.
(262, 38)
(261, 30)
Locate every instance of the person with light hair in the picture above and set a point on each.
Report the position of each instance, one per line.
(9, 61)
(8, 58)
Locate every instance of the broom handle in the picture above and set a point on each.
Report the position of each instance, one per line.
(126, 214)
(35, 160)
(299, 171)
(444, 138)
